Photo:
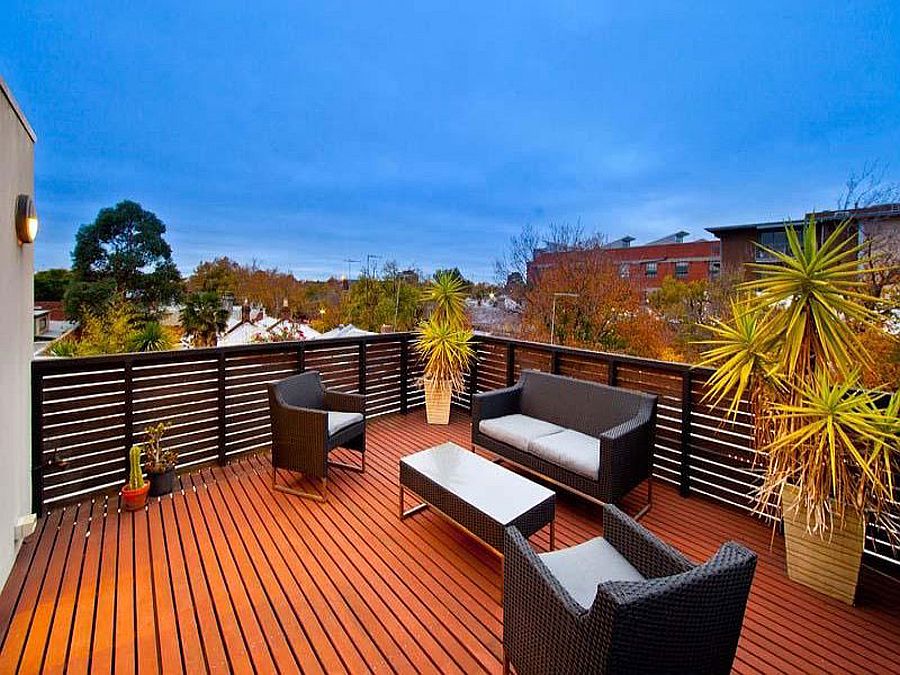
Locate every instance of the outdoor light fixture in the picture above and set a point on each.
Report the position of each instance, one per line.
(26, 220)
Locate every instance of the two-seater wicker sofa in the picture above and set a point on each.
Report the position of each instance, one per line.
(591, 438)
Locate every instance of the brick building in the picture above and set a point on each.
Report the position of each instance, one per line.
(647, 265)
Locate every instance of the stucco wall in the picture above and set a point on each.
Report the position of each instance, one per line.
(16, 327)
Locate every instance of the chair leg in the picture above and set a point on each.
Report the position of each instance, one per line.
(361, 468)
(321, 496)
(505, 662)
(640, 514)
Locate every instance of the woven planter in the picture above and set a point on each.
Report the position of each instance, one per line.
(437, 401)
(830, 565)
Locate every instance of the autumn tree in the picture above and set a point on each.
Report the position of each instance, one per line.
(391, 299)
(606, 312)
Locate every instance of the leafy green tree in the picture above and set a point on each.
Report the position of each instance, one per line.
(203, 318)
(219, 275)
(88, 297)
(392, 300)
(51, 284)
(111, 332)
(125, 245)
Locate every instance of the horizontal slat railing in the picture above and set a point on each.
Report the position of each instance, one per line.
(87, 411)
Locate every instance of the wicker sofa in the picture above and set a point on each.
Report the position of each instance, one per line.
(622, 603)
(590, 438)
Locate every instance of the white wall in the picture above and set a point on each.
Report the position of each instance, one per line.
(16, 328)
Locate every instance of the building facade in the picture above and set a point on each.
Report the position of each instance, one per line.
(739, 242)
(16, 330)
(647, 266)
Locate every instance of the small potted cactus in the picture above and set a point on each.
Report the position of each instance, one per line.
(134, 494)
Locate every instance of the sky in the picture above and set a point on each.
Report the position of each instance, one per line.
(299, 134)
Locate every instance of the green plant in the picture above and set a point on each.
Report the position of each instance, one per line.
(792, 348)
(447, 351)
(444, 339)
(135, 475)
(64, 347)
(203, 318)
(152, 337)
(159, 459)
(110, 332)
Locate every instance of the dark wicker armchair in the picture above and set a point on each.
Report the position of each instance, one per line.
(622, 603)
(308, 422)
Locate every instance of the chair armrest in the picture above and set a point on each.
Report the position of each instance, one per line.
(651, 556)
(542, 624)
(311, 418)
(338, 401)
(495, 403)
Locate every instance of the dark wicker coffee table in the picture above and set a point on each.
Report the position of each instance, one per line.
(478, 495)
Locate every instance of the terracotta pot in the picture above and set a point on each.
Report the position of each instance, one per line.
(134, 500)
(827, 564)
(437, 401)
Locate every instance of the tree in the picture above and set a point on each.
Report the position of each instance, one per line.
(685, 307)
(607, 312)
(51, 284)
(203, 318)
(219, 276)
(88, 297)
(391, 300)
(152, 337)
(109, 332)
(125, 245)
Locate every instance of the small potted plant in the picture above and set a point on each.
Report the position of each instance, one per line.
(445, 342)
(134, 493)
(161, 461)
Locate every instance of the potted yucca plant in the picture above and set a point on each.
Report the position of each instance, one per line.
(444, 341)
(134, 493)
(829, 447)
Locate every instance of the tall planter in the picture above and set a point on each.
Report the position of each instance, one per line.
(830, 564)
(437, 401)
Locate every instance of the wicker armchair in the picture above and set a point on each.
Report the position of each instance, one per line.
(308, 422)
(622, 603)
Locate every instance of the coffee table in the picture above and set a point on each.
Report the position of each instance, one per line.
(475, 493)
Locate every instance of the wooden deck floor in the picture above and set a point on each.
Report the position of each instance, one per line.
(228, 575)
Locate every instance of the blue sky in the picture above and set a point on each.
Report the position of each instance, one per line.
(300, 134)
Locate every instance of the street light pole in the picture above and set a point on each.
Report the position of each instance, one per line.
(553, 314)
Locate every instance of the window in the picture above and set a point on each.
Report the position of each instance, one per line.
(624, 270)
(650, 269)
(715, 267)
(681, 269)
(775, 240)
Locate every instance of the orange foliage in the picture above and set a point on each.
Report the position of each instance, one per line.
(884, 349)
(608, 314)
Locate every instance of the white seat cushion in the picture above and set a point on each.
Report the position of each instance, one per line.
(581, 568)
(516, 430)
(571, 450)
(342, 420)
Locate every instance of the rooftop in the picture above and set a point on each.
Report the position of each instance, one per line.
(228, 575)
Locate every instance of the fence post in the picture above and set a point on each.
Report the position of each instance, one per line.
(612, 373)
(404, 374)
(361, 377)
(129, 414)
(554, 362)
(301, 359)
(473, 376)
(510, 364)
(684, 484)
(37, 442)
(221, 402)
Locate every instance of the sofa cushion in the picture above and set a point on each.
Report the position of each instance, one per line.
(516, 430)
(571, 450)
(341, 420)
(581, 568)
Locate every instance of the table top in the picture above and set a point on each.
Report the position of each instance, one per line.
(497, 492)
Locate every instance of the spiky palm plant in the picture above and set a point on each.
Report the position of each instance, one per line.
(792, 348)
(152, 337)
(444, 340)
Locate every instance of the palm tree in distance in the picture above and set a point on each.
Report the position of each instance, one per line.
(203, 318)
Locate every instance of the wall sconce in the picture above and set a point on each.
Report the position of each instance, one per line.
(26, 220)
